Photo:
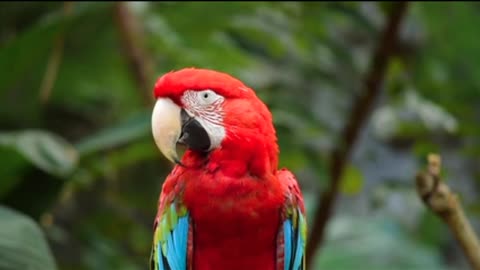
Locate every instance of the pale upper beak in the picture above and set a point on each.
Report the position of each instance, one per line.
(172, 124)
(166, 127)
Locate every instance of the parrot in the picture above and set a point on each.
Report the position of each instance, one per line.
(225, 204)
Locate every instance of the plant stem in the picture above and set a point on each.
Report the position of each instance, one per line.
(438, 197)
(132, 40)
(356, 121)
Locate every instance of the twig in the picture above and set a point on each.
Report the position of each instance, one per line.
(438, 197)
(132, 42)
(357, 119)
(54, 60)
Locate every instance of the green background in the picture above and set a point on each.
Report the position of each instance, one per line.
(80, 174)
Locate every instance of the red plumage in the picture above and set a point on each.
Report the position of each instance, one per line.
(174, 83)
(236, 196)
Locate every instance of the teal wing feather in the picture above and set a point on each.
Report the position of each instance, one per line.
(294, 227)
(170, 242)
(294, 233)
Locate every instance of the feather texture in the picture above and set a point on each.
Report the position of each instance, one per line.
(169, 250)
(294, 226)
(230, 208)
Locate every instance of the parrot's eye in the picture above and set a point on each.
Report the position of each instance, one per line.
(207, 97)
(199, 100)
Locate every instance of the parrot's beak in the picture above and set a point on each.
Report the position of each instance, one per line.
(166, 127)
(172, 125)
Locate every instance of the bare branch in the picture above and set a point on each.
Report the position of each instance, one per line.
(54, 60)
(357, 119)
(438, 197)
(133, 46)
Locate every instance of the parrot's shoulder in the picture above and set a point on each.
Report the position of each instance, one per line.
(291, 188)
(172, 189)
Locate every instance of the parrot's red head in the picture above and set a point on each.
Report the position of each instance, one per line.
(218, 118)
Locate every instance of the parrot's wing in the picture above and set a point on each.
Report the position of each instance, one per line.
(170, 243)
(294, 226)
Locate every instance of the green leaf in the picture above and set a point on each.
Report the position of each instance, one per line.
(352, 181)
(43, 149)
(125, 132)
(22, 243)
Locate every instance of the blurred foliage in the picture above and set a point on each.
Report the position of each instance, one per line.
(22, 243)
(46, 151)
(393, 248)
(83, 165)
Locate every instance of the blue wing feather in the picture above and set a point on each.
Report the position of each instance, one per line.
(159, 258)
(287, 233)
(183, 239)
(175, 241)
(172, 256)
(300, 245)
(294, 242)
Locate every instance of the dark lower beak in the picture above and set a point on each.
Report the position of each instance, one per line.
(193, 134)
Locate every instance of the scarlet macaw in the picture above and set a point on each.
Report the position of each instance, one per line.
(225, 205)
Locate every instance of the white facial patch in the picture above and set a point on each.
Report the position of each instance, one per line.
(206, 107)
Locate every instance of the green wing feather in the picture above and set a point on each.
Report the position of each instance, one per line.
(169, 249)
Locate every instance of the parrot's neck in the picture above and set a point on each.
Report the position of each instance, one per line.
(256, 156)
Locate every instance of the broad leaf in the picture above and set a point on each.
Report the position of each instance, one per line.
(22, 243)
(127, 131)
(45, 150)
